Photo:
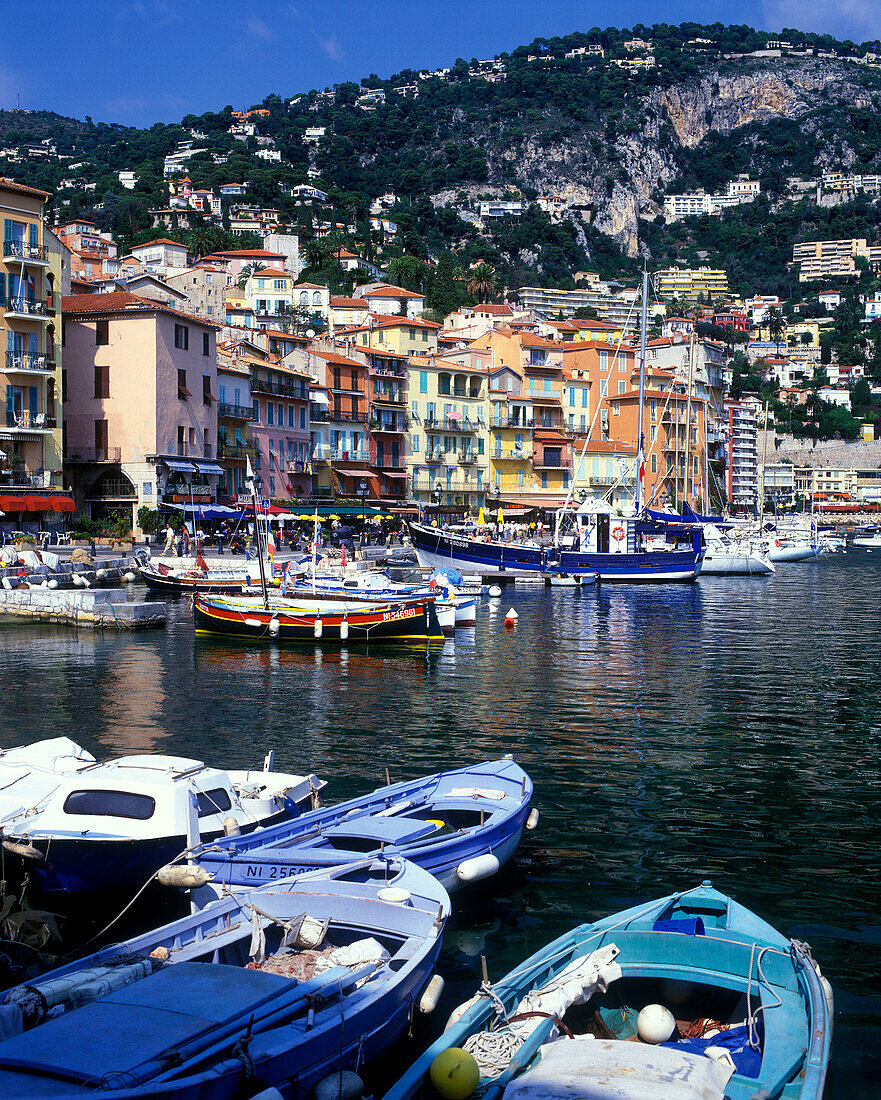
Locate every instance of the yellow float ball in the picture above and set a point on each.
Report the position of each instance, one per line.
(454, 1073)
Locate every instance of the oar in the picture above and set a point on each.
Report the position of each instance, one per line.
(217, 1037)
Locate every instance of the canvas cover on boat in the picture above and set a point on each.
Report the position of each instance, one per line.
(141, 1021)
(607, 1069)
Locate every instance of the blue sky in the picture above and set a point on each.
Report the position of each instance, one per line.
(143, 61)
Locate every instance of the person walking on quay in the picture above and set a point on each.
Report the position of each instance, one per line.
(169, 539)
(185, 541)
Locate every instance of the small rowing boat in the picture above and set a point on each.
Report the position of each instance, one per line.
(341, 622)
(688, 996)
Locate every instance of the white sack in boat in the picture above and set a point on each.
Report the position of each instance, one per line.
(608, 1069)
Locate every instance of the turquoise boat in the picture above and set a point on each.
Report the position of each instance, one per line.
(689, 996)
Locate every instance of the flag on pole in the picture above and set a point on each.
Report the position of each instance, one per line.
(270, 541)
(344, 559)
(249, 473)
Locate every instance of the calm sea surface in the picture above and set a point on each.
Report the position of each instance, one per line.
(728, 730)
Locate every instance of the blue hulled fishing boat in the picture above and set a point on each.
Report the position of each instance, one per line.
(292, 983)
(460, 825)
(688, 996)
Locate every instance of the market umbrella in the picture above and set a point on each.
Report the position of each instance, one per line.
(480, 518)
(501, 516)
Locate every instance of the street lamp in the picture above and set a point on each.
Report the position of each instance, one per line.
(362, 493)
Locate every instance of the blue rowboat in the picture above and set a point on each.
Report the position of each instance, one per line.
(753, 1002)
(459, 825)
(246, 991)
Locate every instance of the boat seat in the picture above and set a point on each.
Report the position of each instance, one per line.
(141, 1021)
(383, 830)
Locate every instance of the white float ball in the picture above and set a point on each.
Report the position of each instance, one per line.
(655, 1024)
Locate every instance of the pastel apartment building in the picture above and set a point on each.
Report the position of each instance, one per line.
(141, 413)
(31, 283)
(828, 259)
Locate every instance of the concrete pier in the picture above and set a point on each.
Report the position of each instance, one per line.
(101, 609)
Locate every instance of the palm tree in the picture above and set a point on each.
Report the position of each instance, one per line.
(316, 253)
(199, 241)
(482, 282)
(407, 271)
(776, 327)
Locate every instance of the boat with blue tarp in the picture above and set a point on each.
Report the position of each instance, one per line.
(691, 995)
(460, 825)
(292, 983)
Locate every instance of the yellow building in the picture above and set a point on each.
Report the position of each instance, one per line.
(689, 283)
(30, 317)
(446, 453)
(604, 470)
(511, 421)
(404, 335)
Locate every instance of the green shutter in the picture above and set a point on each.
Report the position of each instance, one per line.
(32, 401)
(2, 288)
(32, 235)
(10, 406)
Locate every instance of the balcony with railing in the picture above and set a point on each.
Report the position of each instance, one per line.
(234, 412)
(236, 452)
(93, 454)
(396, 426)
(25, 309)
(351, 417)
(296, 390)
(514, 455)
(467, 458)
(30, 253)
(388, 461)
(25, 421)
(349, 454)
(32, 364)
(321, 452)
(450, 424)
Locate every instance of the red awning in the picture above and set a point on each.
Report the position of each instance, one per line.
(13, 504)
(389, 473)
(62, 504)
(348, 472)
(38, 504)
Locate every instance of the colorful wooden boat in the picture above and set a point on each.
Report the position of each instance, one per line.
(279, 619)
(180, 581)
(460, 825)
(698, 964)
(295, 982)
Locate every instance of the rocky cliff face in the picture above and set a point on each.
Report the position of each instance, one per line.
(622, 180)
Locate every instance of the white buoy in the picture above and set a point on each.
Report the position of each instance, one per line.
(129, 577)
(85, 582)
(532, 820)
(44, 584)
(459, 1011)
(101, 574)
(655, 1024)
(7, 582)
(253, 622)
(77, 580)
(346, 1085)
(511, 615)
(319, 627)
(183, 876)
(432, 994)
(231, 827)
(53, 583)
(274, 626)
(344, 629)
(477, 868)
(495, 591)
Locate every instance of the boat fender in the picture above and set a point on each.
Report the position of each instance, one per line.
(459, 1011)
(495, 591)
(340, 1086)
(268, 1094)
(532, 820)
(183, 877)
(477, 868)
(319, 627)
(231, 827)
(344, 629)
(433, 991)
(253, 622)
(830, 996)
(721, 1055)
(274, 626)
(100, 574)
(53, 584)
(129, 577)
(7, 582)
(655, 1024)
(455, 1073)
(26, 851)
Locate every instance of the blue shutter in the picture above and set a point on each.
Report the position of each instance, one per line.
(32, 401)
(8, 233)
(32, 345)
(10, 340)
(32, 235)
(2, 288)
(10, 407)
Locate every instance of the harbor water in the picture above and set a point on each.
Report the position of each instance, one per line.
(728, 730)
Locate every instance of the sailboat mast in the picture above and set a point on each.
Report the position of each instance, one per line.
(640, 440)
(257, 536)
(688, 413)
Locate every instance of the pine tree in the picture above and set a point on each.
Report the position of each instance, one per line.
(443, 294)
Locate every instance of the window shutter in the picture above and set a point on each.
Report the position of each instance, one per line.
(32, 401)
(10, 407)
(32, 235)
(2, 288)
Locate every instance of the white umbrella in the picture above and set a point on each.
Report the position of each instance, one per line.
(3, 454)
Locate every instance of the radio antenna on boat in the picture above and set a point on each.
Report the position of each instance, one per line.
(640, 439)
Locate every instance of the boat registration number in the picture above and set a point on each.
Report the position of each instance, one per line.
(405, 613)
(276, 871)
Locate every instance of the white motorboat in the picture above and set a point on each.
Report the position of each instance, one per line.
(791, 549)
(733, 557)
(81, 825)
(868, 537)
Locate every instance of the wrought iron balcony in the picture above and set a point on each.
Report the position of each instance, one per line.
(338, 454)
(235, 412)
(25, 307)
(354, 417)
(21, 250)
(280, 389)
(239, 451)
(93, 454)
(21, 361)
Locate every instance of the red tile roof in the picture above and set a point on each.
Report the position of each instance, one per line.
(348, 303)
(386, 290)
(21, 189)
(243, 252)
(121, 301)
(337, 360)
(159, 240)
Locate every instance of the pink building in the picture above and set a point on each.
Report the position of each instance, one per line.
(140, 404)
(280, 426)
